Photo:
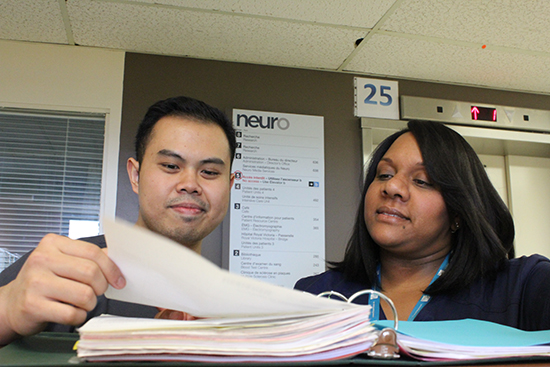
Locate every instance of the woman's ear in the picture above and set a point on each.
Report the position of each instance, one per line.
(455, 224)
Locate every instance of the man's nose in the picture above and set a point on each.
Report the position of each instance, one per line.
(188, 182)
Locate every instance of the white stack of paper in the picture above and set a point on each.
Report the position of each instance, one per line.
(242, 319)
(311, 337)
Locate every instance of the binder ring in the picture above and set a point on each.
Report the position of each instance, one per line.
(384, 297)
(328, 294)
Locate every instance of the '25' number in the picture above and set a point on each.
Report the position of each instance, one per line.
(383, 90)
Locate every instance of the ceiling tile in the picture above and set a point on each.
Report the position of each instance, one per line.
(349, 13)
(32, 20)
(209, 35)
(419, 59)
(517, 24)
(422, 39)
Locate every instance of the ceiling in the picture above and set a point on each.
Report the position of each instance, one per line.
(500, 44)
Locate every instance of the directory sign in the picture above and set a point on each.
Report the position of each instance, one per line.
(277, 214)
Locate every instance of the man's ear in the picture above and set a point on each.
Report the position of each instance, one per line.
(132, 166)
(232, 181)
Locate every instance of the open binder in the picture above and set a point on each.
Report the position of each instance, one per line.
(241, 319)
(244, 320)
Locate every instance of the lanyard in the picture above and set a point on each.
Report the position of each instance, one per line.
(374, 300)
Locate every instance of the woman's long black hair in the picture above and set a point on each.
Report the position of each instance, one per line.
(485, 238)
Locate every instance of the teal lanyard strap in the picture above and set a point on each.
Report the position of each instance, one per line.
(374, 300)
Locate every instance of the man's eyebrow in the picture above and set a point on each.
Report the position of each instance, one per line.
(213, 160)
(172, 154)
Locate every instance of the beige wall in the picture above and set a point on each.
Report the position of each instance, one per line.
(56, 77)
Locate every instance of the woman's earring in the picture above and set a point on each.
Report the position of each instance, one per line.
(456, 228)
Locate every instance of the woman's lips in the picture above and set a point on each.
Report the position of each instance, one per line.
(391, 212)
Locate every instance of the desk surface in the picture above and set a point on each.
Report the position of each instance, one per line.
(56, 349)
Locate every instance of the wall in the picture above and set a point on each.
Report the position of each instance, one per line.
(149, 78)
(56, 77)
(231, 85)
(72, 78)
(86, 79)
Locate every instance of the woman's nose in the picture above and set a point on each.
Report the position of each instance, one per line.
(396, 187)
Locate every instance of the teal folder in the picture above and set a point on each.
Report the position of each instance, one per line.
(469, 332)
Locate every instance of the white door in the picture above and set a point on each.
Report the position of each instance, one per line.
(529, 185)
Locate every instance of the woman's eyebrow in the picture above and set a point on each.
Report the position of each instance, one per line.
(389, 160)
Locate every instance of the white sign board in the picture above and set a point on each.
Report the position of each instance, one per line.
(376, 98)
(277, 215)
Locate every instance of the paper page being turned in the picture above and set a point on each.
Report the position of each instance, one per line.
(160, 272)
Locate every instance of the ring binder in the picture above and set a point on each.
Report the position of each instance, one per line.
(328, 294)
(385, 346)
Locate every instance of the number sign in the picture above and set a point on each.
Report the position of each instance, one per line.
(376, 98)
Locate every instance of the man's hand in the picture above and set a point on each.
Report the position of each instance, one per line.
(59, 282)
(165, 313)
